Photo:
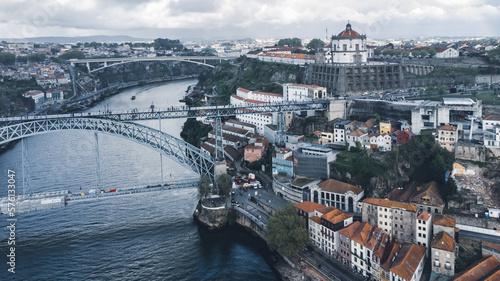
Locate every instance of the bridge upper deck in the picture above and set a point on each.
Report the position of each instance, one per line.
(183, 112)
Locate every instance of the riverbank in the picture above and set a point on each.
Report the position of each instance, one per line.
(90, 100)
(236, 219)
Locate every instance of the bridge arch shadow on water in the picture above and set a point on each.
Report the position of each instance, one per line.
(182, 152)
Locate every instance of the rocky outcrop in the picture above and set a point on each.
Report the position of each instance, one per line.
(212, 219)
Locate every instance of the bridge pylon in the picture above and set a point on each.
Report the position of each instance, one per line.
(219, 140)
(280, 142)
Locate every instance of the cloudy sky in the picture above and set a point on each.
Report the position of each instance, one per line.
(248, 18)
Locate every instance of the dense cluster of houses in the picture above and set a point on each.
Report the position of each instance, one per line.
(394, 237)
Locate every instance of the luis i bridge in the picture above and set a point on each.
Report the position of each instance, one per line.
(120, 123)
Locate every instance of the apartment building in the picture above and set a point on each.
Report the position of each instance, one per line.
(443, 254)
(396, 218)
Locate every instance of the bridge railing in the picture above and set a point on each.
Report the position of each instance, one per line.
(182, 111)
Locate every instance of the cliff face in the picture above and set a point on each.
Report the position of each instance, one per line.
(135, 72)
(12, 102)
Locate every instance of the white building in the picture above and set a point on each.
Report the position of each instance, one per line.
(347, 47)
(423, 230)
(247, 97)
(445, 53)
(324, 227)
(302, 92)
(338, 194)
(491, 130)
(357, 136)
(37, 95)
(382, 142)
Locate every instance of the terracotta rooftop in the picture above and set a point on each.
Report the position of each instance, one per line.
(390, 204)
(443, 241)
(403, 194)
(423, 215)
(335, 218)
(447, 128)
(357, 133)
(350, 230)
(381, 246)
(391, 252)
(348, 32)
(316, 219)
(491, 245)
(480, 270)
(407, 261)
(428, 195)
(492, 118)
(326, 210)
(243, 90)
(443, 220)
(308, 206)
(336, 186)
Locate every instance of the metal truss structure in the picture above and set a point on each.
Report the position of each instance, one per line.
(185, 112)
(184, 153)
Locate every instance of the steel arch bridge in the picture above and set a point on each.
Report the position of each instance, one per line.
(108, 62)
(182, 152)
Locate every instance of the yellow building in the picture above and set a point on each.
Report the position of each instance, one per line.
(386, 127)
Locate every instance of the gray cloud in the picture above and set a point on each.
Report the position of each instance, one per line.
(248, 18)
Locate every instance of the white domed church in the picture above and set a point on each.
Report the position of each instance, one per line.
(347, 47)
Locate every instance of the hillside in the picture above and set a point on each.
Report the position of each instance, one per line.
(12, 103)
(250, 74)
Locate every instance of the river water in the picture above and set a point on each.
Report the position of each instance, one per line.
(149, 236)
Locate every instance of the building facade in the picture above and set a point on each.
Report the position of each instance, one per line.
(338, 194)
(423, 230)
(443, 254)
(283, 162)
(396, 218)
(313, 161)
(447, 137)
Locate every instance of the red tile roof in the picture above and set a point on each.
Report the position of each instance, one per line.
(443, 241)
(488, 266)
(407, 261)
(336, 186)
(350, 230)
(423, 215)
(389, 203)
(447, 128)
(492, 118)
(316, 219)
(494, 246)
(428, 195)
(443, 220)
(308, 206)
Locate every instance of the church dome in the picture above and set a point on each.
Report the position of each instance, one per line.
(348, 32)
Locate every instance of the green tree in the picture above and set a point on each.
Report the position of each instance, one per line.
(415, 54)
(423, 53)
(291, 42)
(494, 55)
(7, 58)
(315, 44)
(204, 187)
(388, 52)
(286, 231)
(224, 184)
(432, 52)
(377, 52)
(72, 55)
(405, 54)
